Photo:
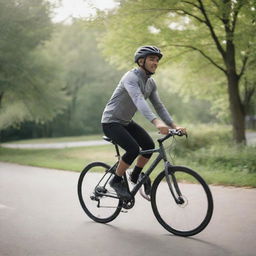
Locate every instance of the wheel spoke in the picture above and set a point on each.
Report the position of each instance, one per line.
(190, 213)
(93, 191)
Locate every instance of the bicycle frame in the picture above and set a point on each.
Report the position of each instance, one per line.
(161, 156)
(134, 191)
(95, 194)
(150, 169)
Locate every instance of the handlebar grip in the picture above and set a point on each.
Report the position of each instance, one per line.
(171, 133)
(177, 132)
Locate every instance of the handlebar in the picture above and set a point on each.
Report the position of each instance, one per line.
(172, 132)
(176, 132)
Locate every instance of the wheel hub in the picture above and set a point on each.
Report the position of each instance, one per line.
(183, 201)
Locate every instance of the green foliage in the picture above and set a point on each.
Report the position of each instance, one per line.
(39, 97)
(175, 26)
(212, 147)
(234, 159)
(198, 35)
(184, 108)
(29, 87)
(24, 25)
(204, 136)
(88, 79)
(60, 83)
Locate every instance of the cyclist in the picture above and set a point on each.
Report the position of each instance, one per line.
(130, 95)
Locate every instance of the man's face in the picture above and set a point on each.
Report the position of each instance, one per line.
(151, 63)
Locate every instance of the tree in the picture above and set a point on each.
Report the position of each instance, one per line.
(29, 89)
(220, 31)
(88, 79)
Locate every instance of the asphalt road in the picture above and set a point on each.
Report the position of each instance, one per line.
(40, 216)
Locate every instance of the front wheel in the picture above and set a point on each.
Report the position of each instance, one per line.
(192, 210)
(96, 197)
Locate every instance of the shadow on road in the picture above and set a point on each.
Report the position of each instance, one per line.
(136, 242)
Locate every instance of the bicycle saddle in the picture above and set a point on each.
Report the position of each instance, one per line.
(108, 139)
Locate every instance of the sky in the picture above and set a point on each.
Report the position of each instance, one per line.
(79, 8)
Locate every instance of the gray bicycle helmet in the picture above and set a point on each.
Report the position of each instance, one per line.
(146, 50)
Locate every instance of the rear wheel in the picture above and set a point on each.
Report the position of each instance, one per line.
(193, 208)
(97, 199)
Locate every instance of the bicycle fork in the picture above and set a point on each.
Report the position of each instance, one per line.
(172, 184)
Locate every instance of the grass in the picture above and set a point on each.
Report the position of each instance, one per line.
(209, 151)
(73, 159)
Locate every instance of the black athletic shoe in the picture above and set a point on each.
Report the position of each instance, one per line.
(120, 189)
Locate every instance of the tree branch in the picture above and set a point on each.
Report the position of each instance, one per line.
(249, 92)
(213, 34)
(199, 8)
(177, 10)
(245, 60)
(215, 3)
(233, 25)
(194, 16)
(1, 98)
(203, 54)
(174, 56)
(187, 2)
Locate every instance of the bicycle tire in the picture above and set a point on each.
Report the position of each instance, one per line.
(86, 190)
(198, 192)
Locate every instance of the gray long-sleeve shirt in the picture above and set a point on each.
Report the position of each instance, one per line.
(130, 95)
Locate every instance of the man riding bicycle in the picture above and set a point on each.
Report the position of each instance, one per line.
(130, 95)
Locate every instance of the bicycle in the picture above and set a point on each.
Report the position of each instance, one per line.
(180, 199)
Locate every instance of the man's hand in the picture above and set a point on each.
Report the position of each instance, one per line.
(161, 126)
(182, 129)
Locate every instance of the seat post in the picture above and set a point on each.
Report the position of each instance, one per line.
(116, 146)
(117, 151)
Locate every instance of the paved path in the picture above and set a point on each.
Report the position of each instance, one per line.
(40, 216)
(71, 144)
(251, 140)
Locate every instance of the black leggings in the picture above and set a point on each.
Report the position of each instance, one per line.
(131, 138)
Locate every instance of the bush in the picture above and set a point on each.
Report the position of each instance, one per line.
(213, 147)
(204, 136)
(229, 158)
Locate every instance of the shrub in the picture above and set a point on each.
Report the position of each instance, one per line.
(213, 147)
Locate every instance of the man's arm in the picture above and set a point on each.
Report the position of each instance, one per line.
(163, 113)
(161, 126)
(160, 108)
(131, 86)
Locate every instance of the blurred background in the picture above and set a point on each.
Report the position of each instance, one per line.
(61, 60)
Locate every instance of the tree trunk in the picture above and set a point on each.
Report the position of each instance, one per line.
(235, 103)
(1, 98)
(236, 108)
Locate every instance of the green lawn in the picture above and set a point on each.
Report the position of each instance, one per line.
(73, 159)
(218, 164)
